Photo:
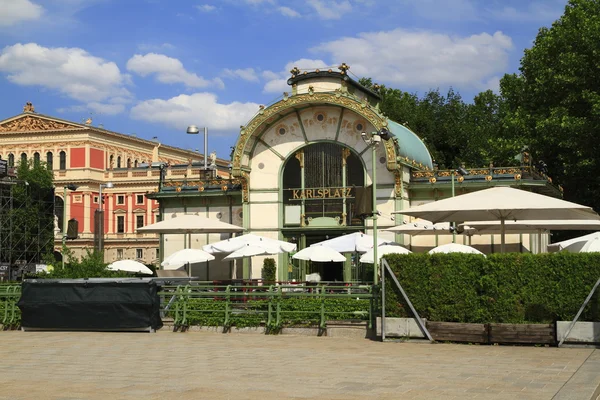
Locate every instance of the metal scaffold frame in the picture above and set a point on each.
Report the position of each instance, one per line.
(25, 237)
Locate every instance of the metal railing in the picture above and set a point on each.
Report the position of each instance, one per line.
(202, 303)
(10, 315)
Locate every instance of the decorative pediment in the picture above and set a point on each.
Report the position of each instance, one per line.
(31, 123)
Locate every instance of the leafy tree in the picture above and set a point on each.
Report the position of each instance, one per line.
(91, 265)
(554, 103)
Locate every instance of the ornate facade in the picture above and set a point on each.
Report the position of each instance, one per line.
(88, 156)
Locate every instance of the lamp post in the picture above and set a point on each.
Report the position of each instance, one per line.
(64, 230)
(100, 225)
(373, 140)
(193, 130)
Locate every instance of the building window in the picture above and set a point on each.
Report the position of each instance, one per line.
(135, 163)
(121, 199)
(95, 200)
(120, 224)
(129, 163)
(36, 158)
(139, 221)
(139, 253)
(157, 254)
(23, 158)
(49, 160)
(11, 160)
(118, 162)
(111, 159)
(63, 160)
(119, 254)
(139, 199)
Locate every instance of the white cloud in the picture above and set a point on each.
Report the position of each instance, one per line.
(16, 11)
(71, 71)
(330, 9)
(277, 81)
(288, 12)
(247, 74)
(422, 58)
(535, 11)
(168, 70)
(206, 8)
(180, 111)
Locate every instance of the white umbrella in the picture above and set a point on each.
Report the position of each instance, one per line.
(190, 224)
(382, 251)
(526, 226)
(577, 245)
(130, 266)
(236, 243)
(354, 242)
(500, 203)
(422, 227)
(319, 254)
(250, 250)
(454, 248)
(186, 256)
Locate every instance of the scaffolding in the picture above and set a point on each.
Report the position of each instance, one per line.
(27, 227)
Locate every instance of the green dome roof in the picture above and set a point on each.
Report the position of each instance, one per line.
(410, 145)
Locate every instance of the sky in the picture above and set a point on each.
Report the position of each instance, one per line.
(153, 67)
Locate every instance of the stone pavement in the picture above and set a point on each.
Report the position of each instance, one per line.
(204, 365)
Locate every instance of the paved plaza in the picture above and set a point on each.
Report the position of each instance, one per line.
(205, 365)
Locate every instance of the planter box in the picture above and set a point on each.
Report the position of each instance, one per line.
(522, 333)
(458, 332)
(582, 332)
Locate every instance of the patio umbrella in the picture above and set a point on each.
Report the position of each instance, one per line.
(527, 226)
(186, 256)
(354, 242)
(382, 251)
(578, 244)
(422, 227)
(502, 204)
(236, 243)
(190, 224)
(250, 250)
(454, 248)
(130, 266)
(319, 254)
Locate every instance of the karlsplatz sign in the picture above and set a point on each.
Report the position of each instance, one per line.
(322, 193)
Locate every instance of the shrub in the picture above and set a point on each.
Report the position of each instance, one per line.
(269, 270)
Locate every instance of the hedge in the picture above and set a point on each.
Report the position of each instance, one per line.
(502, 288)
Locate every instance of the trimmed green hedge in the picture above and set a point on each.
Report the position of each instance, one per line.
(502, 288)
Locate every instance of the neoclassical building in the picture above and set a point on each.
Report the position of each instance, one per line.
(88, 156)
(303, 166)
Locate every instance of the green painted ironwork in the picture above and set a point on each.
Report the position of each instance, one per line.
(9, 312)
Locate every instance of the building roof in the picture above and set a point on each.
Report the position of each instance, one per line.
(331, 74)
(411, 147)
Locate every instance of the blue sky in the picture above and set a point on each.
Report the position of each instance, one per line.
(152, 67)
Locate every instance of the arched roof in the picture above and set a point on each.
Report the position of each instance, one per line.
(410, 145)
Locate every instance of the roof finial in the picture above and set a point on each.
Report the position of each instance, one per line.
(28, 108)
(344, 67)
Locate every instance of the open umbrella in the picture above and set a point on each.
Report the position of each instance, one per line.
(319, 254)
(502, 204)
(186, 256)
(454, 248)
(130, 266)
(382, 251)
(352, 243)
(236, 243)
(581, 244)
(250, 250)
(190, 224)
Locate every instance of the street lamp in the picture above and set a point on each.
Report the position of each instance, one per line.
(194, 130)
(71, 187)
(373, 140)
(108, 185)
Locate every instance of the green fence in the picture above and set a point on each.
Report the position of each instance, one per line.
(10, 315)
(275, 306)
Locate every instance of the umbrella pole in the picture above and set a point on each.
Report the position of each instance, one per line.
(539, 241)
(502, 235)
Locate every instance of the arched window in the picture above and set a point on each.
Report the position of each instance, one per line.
(50, 160)
(11, 160)
(111, 159)
(119, 162)
(135, 164)
(23, 158)
(36, 157)
(63, 160)
(129, 163)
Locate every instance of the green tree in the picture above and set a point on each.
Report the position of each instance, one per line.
(553, 104)
(91, 265)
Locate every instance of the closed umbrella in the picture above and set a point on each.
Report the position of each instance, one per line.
(319, 254)
(382, 251)
(454, 248)
(130, 266)
(501, 204)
